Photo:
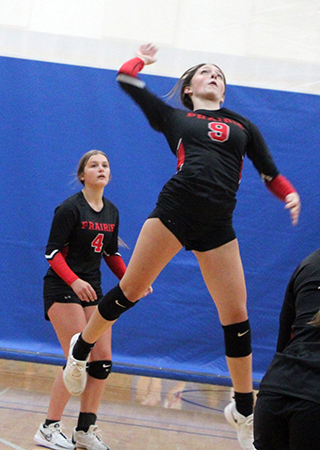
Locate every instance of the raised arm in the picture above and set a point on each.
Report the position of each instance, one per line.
(155, 109)
(145, 55)
(147, 52)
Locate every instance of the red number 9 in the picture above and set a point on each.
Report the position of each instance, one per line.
(219, 131)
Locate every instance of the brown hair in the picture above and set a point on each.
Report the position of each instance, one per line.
(83, 161)
(185, 80)
(81, 166)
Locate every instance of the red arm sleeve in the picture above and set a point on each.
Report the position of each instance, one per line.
(132, 67)
(280, 187)
(61, 268)
(116, 265)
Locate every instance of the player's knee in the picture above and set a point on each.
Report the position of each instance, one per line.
(237, 338)
(113, 304)
(99, 369)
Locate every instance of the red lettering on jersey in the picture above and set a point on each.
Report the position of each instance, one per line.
(215, 119)
(219, 131)
(97, 243)
(98, 226)
(233, 121)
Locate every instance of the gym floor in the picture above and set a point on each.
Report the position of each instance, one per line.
(137, 412)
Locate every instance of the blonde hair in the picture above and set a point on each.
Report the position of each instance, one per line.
(315, 320)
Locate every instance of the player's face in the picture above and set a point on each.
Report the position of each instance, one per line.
(96, 171)
(208, 83)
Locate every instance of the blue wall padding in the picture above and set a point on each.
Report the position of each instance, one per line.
(50, 115)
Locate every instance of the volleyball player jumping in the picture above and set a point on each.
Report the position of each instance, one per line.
(194, 210)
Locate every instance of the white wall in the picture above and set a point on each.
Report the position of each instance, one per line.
(260, 43)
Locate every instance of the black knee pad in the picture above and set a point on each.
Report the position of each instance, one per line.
(113, 304)
(237, 339)
(99, 369)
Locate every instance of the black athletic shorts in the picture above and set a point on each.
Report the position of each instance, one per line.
(282, 422)
(55, 292)
(192, 234)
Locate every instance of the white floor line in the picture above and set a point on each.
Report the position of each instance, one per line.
(16, 447)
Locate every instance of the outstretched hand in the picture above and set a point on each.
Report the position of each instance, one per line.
(294, 205)
(147, 53)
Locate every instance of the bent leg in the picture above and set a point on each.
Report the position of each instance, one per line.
(155, 247)
(59, 315)
(92, 395)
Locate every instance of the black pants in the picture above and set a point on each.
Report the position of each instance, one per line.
(283, 422)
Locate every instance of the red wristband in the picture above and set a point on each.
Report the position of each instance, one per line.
(132, 67)
(280, 187)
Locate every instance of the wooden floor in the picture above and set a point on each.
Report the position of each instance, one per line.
(137, 413)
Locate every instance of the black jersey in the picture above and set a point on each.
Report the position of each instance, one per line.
(210, 147)
(83, 235)
(295, 369)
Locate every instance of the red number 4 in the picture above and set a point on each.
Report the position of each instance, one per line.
(97, 243)
(219, 131)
